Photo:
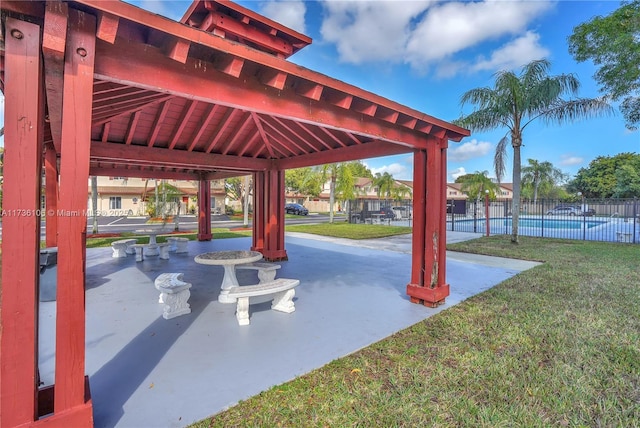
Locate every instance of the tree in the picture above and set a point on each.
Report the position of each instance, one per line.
(385, 184)
(304, 181)
(608, 176)
(342, 181)
(613, 43)
(475, 185)
(516, 101)
(541, 176)
(237, 189)
(167, 195)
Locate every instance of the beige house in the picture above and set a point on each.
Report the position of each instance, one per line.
(119, 196)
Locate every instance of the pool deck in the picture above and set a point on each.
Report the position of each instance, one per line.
(146, 371)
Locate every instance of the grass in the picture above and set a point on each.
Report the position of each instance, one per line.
(557, 345)
(351, 231)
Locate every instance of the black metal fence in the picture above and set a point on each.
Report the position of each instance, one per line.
(613, 220)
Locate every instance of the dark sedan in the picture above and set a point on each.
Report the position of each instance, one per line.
(296, 209)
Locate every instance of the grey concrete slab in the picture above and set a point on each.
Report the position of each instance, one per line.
(146, 371)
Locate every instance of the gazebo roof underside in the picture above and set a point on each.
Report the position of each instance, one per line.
(173, 101)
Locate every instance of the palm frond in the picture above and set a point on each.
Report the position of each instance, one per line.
(500, 157)
(572, 110)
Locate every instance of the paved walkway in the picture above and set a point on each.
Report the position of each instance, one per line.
(146, 371)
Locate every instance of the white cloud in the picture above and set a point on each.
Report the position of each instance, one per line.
(426, 33)
(397, 170)
(458, 172)
(469, 150)
(370, 30)
(289, 13)
(569, 160)
(514, 54)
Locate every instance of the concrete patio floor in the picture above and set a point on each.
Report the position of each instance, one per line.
(146, 371)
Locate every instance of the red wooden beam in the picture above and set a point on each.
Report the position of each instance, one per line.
(277, 128)
(175, 158)
(120, 171)
(366, 150)
(23, 119)
(107, 27)
(74, 172)
(237, 134)
(265, 138)
(204, 210)
(53, 46)
(220, 129)
(215, 20)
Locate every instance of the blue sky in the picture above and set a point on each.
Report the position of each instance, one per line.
(426, 54)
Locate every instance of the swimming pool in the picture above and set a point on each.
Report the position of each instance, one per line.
(546, 223)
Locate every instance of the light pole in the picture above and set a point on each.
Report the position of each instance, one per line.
(486, 209)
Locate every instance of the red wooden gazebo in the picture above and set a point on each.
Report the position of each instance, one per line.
(105, 88)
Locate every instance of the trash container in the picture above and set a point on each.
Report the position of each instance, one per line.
(48, 273)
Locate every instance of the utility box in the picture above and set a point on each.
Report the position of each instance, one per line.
(48, 274)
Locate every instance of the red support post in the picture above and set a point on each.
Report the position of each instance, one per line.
(24, 120)
(71, 397)
(204, 210)
(268, 215)
(51, 195)
(419, 220)
(259, 215)
(431, 289)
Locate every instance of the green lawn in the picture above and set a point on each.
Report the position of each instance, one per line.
(558, 345)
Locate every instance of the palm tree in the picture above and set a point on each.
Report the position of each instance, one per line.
(539, 175)
(515, 101)
(385, 183)
(342, 182)
(475, 185)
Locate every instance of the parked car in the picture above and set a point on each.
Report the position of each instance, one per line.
(296, 209)
(565, 210)
(386, 213)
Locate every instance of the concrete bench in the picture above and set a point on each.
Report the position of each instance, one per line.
(282, 290)
(163, 247)
(174, 294)
(122, 247)
(179, 245)
(266, 271)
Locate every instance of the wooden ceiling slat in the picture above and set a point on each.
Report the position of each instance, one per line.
(263, 135)
(220, 129)
(283, 135)
(105, 132)
(157, 124)
(105, 116)
(313, 135)
(187, 111)
(132, 127)
(204, 122)
(295, 134)
(333, 137)
(252, 143)
(238, 134)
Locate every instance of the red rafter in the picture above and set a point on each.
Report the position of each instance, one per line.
(157, 123)
(222, 126)
(204, 122)
(263, 135)
(132, 127)
(187, 111)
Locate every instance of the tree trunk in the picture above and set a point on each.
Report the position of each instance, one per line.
(245, 206)
(332, 196)
(517, 143)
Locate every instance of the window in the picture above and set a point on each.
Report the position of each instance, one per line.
(115, 202)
